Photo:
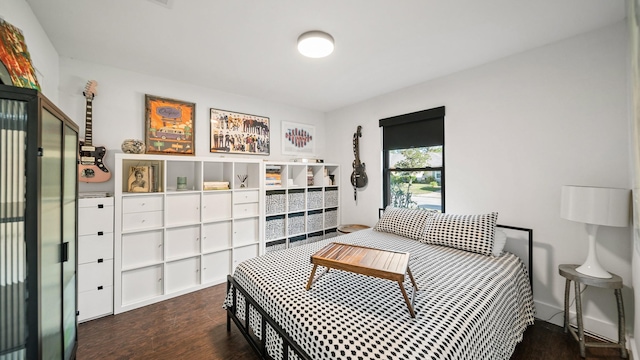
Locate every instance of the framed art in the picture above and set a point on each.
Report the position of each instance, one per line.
(238, 133)
(298, 139)
(169, 126)
(15, 61)
(139, 179)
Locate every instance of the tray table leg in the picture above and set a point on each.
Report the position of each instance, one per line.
(406, 299)
(313, 273)
(413, 281)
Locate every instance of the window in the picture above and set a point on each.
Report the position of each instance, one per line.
(413, 160)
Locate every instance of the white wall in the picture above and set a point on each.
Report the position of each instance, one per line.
(516, 130)
(44, 56)
(119, 109)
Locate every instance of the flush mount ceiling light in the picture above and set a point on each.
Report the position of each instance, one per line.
(315, 44)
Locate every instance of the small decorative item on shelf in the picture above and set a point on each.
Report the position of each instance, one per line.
(182, 182)
(132, 146)
(243, 180)
(215, 185)
(309, 177)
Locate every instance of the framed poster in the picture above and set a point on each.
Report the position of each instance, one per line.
(169, 126)
(15, 61)
(238, 133)
(298, 139)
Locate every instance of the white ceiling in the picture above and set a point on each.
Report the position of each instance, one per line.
(248, 47)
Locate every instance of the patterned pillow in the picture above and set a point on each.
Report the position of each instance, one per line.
(499, 241)
(472, 233)
(410, 223)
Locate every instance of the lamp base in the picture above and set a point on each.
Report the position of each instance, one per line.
(593, 271)
(591, 266)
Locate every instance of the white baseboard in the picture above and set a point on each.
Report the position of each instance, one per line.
(633, 349)
(594, 327)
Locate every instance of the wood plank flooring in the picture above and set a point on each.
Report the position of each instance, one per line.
(193, 326)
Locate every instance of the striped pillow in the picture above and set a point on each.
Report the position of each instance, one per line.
(474, 233)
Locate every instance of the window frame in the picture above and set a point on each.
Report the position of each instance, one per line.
(435, 114)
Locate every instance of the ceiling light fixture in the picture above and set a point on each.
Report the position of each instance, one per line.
(315, 44)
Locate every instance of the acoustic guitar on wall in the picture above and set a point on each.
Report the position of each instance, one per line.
(91, 166)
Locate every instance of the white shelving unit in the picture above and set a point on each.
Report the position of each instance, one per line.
(95, 257)
(171, 242)
(301, 203)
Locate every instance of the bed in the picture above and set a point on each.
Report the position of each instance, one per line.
(469, 305)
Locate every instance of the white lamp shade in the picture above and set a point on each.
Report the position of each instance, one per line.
(595, 205)
(315, 44)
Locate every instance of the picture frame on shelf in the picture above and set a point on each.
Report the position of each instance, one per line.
(239, 133)
(298, 139)
(169, 126)
(140, 179)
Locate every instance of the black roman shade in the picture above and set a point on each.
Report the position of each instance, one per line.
(418, 129)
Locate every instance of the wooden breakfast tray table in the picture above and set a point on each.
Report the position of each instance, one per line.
(383, 264)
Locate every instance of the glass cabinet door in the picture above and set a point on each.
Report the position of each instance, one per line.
(13, 315)
(50, 237)
(69, 230)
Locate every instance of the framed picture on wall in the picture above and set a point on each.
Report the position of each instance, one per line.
(238, 133)
(298, 139)
(169, 126)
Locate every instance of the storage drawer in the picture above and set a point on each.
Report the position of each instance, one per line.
(244, 210)
(94, 247)
(142, 248)
(95, 303)
(94, 216)
(141, 284)
(182, 241)
(142, 220)
(241, 197)
(93, 275)
(216, 206)
(136, 204)
(183, 209)
(94, 202)
(246, 231)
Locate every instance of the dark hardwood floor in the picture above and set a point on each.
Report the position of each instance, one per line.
(193, 326)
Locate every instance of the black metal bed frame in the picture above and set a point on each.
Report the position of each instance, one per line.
(260, 345)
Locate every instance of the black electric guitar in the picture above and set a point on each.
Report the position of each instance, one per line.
(358, 176)
(91, 166)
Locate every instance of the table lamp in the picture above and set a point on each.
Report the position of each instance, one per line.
(595, 206)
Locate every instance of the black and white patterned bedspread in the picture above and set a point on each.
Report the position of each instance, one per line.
(469, 306)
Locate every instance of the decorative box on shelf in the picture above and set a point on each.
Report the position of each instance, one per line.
(215, 185)
(275, 202)
(296, 200)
